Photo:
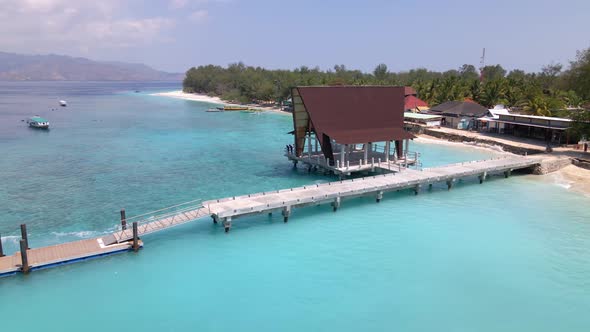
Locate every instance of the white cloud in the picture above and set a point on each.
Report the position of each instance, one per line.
(199, 16)
(75, 26)
(177, 4)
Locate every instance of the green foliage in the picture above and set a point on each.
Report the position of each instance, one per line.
(541, 93)
(492, 73)
(578, 76)
(581, 125)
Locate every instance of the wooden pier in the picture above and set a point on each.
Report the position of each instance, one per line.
(227, 209)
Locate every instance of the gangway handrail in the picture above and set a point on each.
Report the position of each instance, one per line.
(166, 208)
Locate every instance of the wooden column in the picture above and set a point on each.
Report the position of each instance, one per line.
(23, 233)
(399, 148)
(23, 256)
(367, 152)
(123, 220)
(387, 151)
(342, 152)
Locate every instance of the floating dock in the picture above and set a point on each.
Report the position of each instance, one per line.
(228, 209)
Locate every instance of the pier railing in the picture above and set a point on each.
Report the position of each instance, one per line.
(498, 164)
(160, 219)
(351, 165)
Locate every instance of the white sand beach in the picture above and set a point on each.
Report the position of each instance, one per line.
(190, 96)
(572, 178)
(214, 100)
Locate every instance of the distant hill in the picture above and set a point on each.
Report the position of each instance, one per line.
(19, 67)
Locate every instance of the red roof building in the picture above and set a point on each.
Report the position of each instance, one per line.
(342, 117)
(413, 102)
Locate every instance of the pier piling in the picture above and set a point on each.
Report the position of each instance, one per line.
(450, 184)
(227, 224)
(507, 173)
(123, 220)
(23, 233)
(1, 250)
(417, 189)
(23, 256)
(336, 203)
(379, 196)
(482, 177)
(135, 237)
(286, 213)
(215, 219)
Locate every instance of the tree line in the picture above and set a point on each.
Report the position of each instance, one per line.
(548, 92)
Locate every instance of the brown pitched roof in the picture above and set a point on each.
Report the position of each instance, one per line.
(459, 108)
(356, 114)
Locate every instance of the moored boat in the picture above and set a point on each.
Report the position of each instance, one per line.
(235, 108)
(38, 122)
(63, 103)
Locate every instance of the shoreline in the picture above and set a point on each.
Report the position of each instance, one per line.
(179, 94)
(572, 178)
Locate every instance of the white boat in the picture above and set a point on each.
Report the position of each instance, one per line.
(38, 122)
(63, 103)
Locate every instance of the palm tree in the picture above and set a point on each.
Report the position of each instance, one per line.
(492, 93)
(536, 106)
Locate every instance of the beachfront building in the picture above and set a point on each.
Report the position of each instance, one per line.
(459, 114)
(549, 129)
(346, 129)
(489, 121)
(427, 120)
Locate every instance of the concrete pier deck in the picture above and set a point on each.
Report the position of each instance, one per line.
(233, 207)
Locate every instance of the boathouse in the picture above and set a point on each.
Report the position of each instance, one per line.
(347, 129)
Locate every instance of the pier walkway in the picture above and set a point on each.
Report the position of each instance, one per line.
(333, 192)
(226, 209)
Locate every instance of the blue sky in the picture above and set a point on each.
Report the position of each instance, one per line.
(174, 35)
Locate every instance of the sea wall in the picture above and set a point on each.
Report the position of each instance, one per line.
(462, 138)
(581, 163)
(549, 165)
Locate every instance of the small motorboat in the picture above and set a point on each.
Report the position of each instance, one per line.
(235, 108)
(215, 110)
(38, 122)
(63, 103)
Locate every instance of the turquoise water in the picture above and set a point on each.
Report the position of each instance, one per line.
(508, 255)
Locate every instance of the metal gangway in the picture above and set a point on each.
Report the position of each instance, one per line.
(158, 220)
